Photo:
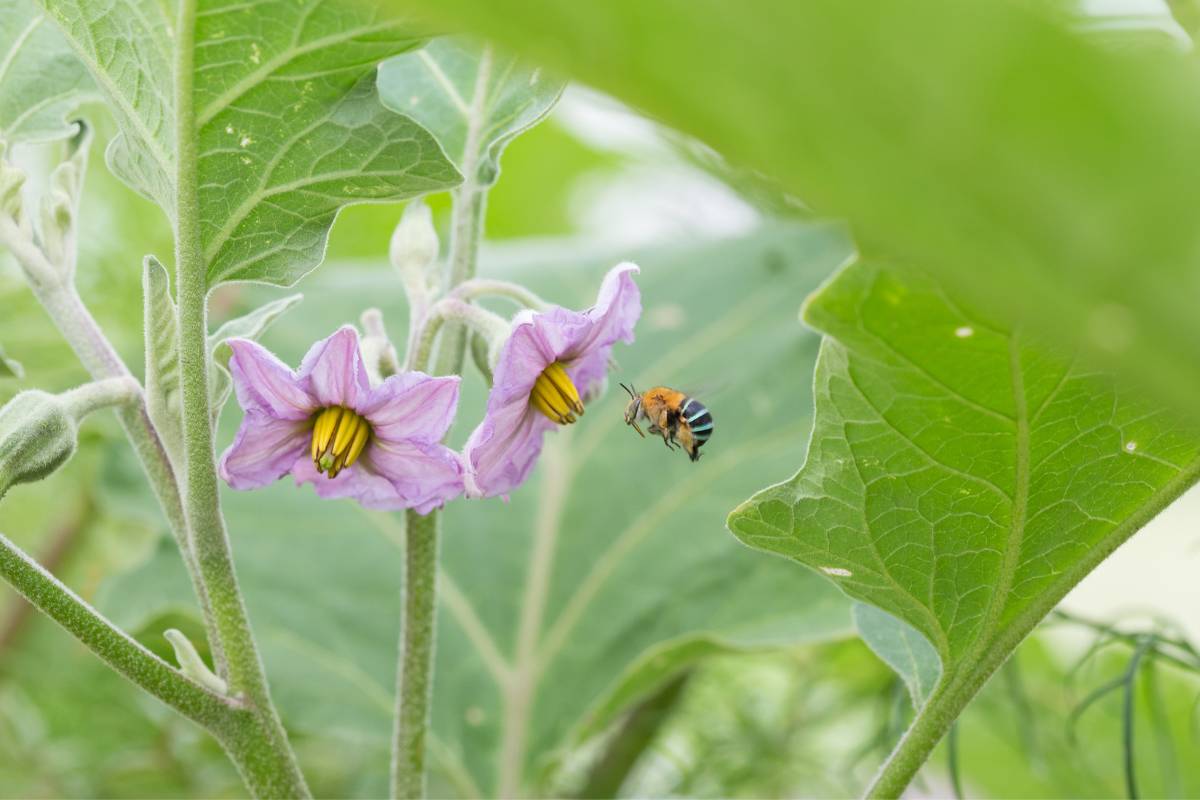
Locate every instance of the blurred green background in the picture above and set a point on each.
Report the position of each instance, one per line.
(759, 690)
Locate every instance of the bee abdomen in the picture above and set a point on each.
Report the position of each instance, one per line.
(698, 419)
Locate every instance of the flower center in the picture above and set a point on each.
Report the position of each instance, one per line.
(556, 396)
(339, 437)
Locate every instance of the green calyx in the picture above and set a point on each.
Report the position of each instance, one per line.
(37, 436)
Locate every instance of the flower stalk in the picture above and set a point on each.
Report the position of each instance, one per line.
(418, 634)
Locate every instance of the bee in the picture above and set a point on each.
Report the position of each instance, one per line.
(681, 420)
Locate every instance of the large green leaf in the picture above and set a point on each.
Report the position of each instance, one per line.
(902, 647)
(126, 46)
(1035, 170)
(606, 574)
(41, 80)
(471, 98)
(962, 476)
(288, 124)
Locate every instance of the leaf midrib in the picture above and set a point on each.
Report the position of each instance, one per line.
(1016, 535)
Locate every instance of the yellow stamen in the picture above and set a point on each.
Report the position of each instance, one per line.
(566, 389)
(360, 442)
(556, 396)
(541, 405)
(339, 437)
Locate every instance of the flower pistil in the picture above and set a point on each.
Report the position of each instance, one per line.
(339, 437)
(555, 395)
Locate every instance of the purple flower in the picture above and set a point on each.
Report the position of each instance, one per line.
(548, 357)
(327, 426)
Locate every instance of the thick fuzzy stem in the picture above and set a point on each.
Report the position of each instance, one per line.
(418, 635)
(277, 773)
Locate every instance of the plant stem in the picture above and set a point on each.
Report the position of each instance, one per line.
(105, 393)
(637, 732)
(275, 770)
(485, 287)
(466, 231)
(418, 637)
(235, 725)
(414, 675)
(114, 646)
(81, 331)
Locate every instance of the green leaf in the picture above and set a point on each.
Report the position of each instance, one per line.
(902, 647)
(1035, 170)
(10, 368)
(163, 391)
(41, 81)
(126, 46)
(289, 125)
(161, 326)
(614, 554)
(962, 476)
(473, 100)
(247, 326)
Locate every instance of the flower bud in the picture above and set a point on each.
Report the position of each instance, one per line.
(414, 244)
(37, 436)
(378, 354)
(413, 252)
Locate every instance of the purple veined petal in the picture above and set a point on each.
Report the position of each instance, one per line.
(263, 451)
(411, 406)
(333, 371)
(266, 385)
(392, 477)
(425, 475)
(504, 448)
(617, 310)
(356, 482)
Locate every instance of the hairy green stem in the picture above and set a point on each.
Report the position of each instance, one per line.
(231, 722)
(114, 646)
(466, 231)
(79, 328)
(485, 287)
(443, 314)
(268, 764)
(956, 689)
(418, 637)
(414, 675)
(97, 395)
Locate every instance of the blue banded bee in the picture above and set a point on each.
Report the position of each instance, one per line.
(679, 419)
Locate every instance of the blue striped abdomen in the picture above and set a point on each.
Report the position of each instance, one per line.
(698, 419)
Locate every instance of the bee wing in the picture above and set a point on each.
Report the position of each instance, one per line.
(706, 390)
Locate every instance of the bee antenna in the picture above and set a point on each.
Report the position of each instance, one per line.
(629, 390)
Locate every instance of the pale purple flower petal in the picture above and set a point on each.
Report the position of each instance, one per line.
(502, 450)
(393, 476)
(404, 464)
(333, 370)
(263, 451)
(264, 384)
(411, 406)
